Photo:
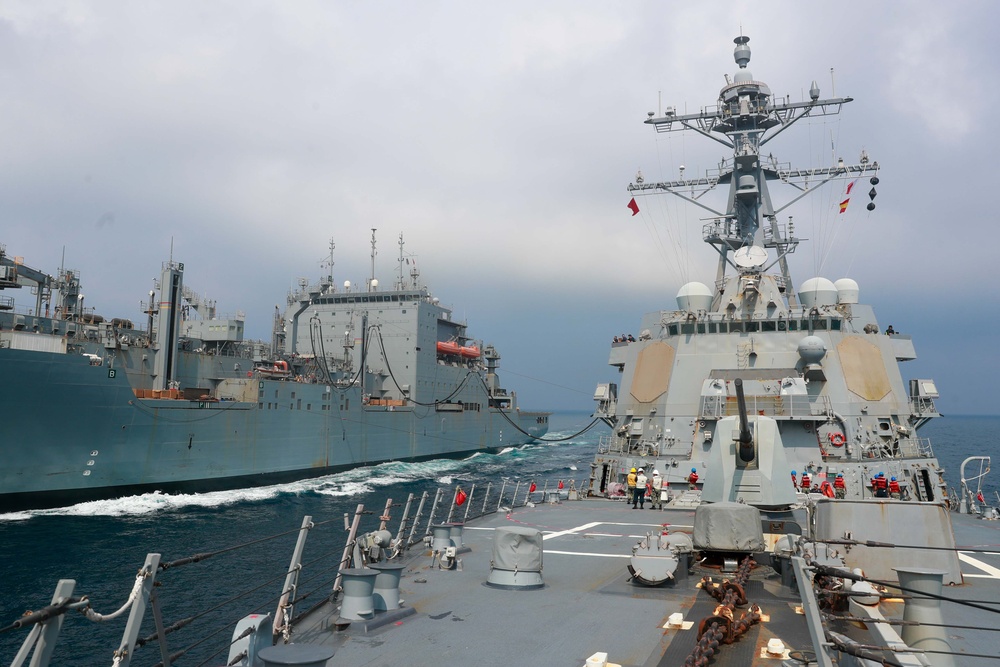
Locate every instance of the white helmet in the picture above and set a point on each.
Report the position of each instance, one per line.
(656, 473)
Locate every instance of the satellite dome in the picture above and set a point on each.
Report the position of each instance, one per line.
(818, 292)
(812, 349)
(693, 297)
(847, 290)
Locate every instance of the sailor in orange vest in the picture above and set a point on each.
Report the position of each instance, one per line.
(839, 486)
(894, 490)
(880, 485)
(805, 482)
(693, 479)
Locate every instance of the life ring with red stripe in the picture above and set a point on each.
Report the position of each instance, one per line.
(837, 439)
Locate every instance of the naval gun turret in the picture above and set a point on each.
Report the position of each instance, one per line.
(746, 461)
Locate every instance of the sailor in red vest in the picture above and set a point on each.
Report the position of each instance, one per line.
(894, 490)
(839, 486)
(881, 486)
(693, 479)
(805, 484)
(795, 482)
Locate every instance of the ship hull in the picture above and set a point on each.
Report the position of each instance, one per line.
(76, 432)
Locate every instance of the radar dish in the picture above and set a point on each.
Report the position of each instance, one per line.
(750, 256)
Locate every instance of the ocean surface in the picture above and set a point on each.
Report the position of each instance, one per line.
(103, 544)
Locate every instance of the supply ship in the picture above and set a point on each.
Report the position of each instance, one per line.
(179, 401)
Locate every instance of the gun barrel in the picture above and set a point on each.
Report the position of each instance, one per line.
(745, 439)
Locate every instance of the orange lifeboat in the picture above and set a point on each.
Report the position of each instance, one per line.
(471, 352)
(448, 347)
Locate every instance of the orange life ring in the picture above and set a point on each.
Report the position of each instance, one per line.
(837, 439)
(249, 374)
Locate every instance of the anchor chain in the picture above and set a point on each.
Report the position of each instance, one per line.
(722, 627)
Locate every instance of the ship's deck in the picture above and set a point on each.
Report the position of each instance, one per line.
(589, 604)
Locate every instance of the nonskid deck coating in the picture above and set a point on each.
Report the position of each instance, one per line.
(587, 596)
(588, 603)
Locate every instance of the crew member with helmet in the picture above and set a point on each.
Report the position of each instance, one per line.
(640, 490)
(806, 482)
(880, 485)
(630, 484)
(894, 490)
(795, 482)
(692, 479)
(839, 486)
(655, 488)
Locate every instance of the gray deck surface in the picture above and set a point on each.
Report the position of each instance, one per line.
(589, 605)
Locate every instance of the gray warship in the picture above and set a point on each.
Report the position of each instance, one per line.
(741, 567)
(180, 401)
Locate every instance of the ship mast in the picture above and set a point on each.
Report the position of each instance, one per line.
(371, 280)
(746, 111)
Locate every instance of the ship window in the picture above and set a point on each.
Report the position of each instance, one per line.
(290, 407)
(687, 328)
(672, 329)
(276, 393)
(793, 325)
(347, 404)
(404, 311)
(309, 406)
(260, 406)
(298, 404)
(805, 325)
(713, 327)
(835, 325)
(293, 394)
(821, 325)
(753, 326)
(735, 327)
(701, 327)
(767, 326)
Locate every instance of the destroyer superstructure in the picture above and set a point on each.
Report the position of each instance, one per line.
(351, 376)
(815, 362)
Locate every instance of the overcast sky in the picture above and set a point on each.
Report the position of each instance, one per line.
(499, 139)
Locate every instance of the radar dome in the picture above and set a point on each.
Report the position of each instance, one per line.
(818, 292)
(693, 297)
(374, 283)
(347, 285)
(847, 290)
(812, 349)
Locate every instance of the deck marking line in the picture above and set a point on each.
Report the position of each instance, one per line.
(586, 526)
(585, 553)
(975, 562)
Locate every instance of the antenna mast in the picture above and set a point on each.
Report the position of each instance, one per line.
(371, 280)
(399, 285)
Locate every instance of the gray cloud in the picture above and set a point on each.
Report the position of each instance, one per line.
(499, 140)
